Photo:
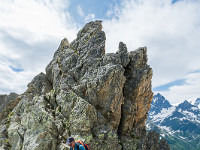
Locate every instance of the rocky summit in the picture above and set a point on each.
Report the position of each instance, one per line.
(100, 98)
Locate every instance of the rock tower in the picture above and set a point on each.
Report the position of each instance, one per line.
(100, 98)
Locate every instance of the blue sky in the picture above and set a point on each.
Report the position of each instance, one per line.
(30, 33)
(99, 9)
(166, 87)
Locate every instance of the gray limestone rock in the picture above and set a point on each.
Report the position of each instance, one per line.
(5, 99)
(102, 99)
(39, 85)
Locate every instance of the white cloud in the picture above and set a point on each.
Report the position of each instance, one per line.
(90, 17)
(30, 32)
(12, 81)
(114, 9)
(189, 91)
(34, 20)
(170, 32)
(80, 11)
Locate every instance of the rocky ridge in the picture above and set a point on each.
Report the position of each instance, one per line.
(7, 103)
(102, 99)
(5, 99)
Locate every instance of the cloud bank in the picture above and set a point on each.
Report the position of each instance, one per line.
(170, 31)
(30, 32)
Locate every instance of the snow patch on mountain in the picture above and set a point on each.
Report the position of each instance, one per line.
(163, 114)
(168, 130)
(189, 114)
(179, 124)
(196, 102)
(194, 108)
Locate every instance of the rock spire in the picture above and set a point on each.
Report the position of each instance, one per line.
(101, 98)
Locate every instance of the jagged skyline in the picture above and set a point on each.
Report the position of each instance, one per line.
(30, 33)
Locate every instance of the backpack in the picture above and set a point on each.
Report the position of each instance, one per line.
(81, 143)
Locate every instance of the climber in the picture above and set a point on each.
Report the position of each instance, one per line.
(73, 145)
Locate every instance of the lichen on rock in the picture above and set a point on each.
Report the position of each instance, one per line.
(100, 98)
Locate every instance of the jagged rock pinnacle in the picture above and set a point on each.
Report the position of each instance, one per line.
(97, 97)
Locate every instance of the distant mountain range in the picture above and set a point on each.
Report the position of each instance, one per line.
(179, 125)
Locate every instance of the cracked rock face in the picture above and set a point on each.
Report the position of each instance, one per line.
(5, 99)
(102, 99)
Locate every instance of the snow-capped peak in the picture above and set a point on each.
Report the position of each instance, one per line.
(197, 103)
(184, 105)
(180, 122)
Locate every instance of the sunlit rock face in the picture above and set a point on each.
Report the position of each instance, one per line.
(100, 98)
